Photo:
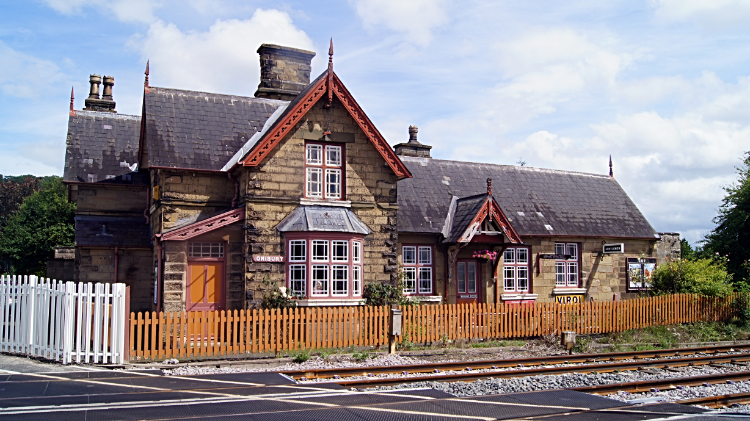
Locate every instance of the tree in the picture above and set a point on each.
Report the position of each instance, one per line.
(706, 277)
(686, 251)
(731, 236)
(44, 221)
(12, 192)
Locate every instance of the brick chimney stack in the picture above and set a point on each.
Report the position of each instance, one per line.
(105, 103)
(284, 71)
(413, 147)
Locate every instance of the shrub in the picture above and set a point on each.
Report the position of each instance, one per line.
(383, 294)
(301, 357)
(275, 297)
(705, 277)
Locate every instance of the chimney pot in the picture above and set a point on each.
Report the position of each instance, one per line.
(413, 147)
(109, 82)
(94, 80)
(105, 103)
(413, 134)
(284, 71)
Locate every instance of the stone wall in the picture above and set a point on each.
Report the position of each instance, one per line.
(668, 248)
(186, 197)
(133, 269)
(92, 199)
(274, 189)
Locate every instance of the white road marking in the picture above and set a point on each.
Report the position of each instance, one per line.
(518, 404)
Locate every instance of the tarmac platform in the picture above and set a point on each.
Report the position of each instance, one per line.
(149, 395)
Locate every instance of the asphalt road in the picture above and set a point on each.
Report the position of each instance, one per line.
(15, 364)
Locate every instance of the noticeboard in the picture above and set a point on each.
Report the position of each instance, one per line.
(639, 273)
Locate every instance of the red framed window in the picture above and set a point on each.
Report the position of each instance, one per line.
(516, 270)
(567, 265)
(324, 266)
(417, 261)
(324, 171)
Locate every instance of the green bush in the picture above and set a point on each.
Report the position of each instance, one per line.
(705, 277)
(383, 294)
(274, 297)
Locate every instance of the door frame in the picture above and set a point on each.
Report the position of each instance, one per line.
(221, 304)
(467, 295)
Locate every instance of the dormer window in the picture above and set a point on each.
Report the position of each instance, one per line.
(323, 171)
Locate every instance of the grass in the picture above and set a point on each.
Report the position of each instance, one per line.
(496, 344)
(663, 337)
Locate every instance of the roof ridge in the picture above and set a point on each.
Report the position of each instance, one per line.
(517, 167)
(203, 93)
(108, 114)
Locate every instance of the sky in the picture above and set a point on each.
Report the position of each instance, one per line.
(663, 86)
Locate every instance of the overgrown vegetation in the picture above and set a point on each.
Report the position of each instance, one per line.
(301, 356)
(706, 277)
(43, 221)
(663, 337)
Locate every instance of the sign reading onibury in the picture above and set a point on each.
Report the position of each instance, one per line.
(614, 248)
(268, 259)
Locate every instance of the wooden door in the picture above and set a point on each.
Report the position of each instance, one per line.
(468, 279)
(205, 289)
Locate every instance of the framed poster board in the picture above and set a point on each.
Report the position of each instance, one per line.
(639, 273)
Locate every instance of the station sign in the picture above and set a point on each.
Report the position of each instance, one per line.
(614, 248)
(555, 256)
(569, 299)
(268, 259)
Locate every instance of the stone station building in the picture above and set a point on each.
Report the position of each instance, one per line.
(203, 197)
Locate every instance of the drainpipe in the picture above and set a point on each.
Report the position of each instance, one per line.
(159, 275)
(236, 189)
(116, 261)
(148, 206)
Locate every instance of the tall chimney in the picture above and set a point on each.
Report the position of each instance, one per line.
(413, 147)
(105, 103)
(284, 71)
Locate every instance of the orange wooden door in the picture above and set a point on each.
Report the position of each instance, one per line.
(205, 286)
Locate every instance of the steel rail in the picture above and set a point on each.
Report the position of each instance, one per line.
(664, 384)
(590, 368)
(506, 363)
(718, 401)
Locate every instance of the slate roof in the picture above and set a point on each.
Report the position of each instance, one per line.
(323, 218)
(101, 144)
(466, 209)
(112, 231)
(199, 130)
(571, 203)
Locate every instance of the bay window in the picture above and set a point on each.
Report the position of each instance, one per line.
(323, 171)
(331, 269)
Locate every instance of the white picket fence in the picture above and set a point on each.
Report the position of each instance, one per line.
(62, 321)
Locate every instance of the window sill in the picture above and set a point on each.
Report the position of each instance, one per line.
(564, 291)
(321, 202)
(330, 302)
(425, 298)
(515, 297)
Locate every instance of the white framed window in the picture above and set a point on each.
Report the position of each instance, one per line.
(408, 255)
(357, 280)
(567, 269)
(206, 250)
(340, 251)
(320, 280)
(340, 279)
(298, 280)
(324, 170)
(410, 280)
(425, 255)
(320, 250)
(298, 250)
(357, 251)
(425, 280)
(516, 269)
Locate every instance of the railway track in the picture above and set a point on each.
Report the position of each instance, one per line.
(469, 371)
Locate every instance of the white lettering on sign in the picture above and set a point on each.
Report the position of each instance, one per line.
(614, 248)
(268, 259)
(468, 296)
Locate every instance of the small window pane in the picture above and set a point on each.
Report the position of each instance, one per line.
(472, 275)
(572, 274)
(314, 182)
(333, 184)
(356, 251)
(340, 251)
(560, 274)
(320, 280)
(320, 250)
(425, 280)
(559, 248)
(509, 278)
(297, 250)
(522, 256)
(523, 278)
(333, 156)
(509, 256)
(409, 255)
(314, 154)
(425, 255)
(297, 280)
(357, 280)
(461, 276)
(410, 280)
(340, 275)
(206, 249)
(573, 251)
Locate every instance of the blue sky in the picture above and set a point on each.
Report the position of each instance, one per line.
(661, 85)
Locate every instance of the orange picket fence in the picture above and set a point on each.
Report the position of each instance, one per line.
(195, 335)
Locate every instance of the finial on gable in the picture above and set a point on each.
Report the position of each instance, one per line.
(145, 82)
(611, 174)
(489, 187)
(71, 98)
(329, 78)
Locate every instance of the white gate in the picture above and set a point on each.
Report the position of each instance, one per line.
(63, 321)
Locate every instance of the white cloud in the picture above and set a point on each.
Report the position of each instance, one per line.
(710, 13)
(26, 76)
(131, 11)
(222, 59)
(416, 19)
